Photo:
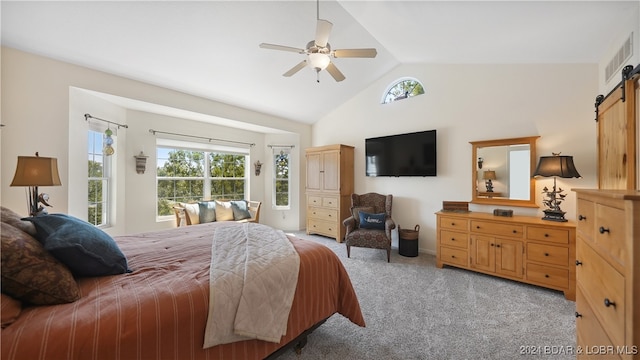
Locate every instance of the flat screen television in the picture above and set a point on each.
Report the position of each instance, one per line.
(412, 154)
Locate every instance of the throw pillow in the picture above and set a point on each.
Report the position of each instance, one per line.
(207, 211)
(223, 211)
(240, 209)
(193, 212)
(12, 218)
(355, 211)
(85, 249)
(10, 309)
(31, 274)
(372, 221)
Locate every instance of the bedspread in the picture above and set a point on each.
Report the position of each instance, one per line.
(253, 276)
(159, 310)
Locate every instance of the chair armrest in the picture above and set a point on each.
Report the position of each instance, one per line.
(349, 223)
(389, 225)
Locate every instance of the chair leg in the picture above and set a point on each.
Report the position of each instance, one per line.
(388, 255)
(348, 251)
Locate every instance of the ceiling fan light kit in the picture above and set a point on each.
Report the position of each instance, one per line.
(319, 52)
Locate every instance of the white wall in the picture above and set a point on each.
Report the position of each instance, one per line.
(468, 103)
(42, 108)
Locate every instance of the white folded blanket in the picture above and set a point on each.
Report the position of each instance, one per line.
(253, 278)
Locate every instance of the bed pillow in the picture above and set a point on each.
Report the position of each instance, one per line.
(206, 211)
(12, 218)
(193, 212)
(355, 211)
(10, 309)
(372, 221)
(224, 212)
(82, 247)
(31, 274)
(240, 209)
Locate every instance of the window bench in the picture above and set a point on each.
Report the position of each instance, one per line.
(217, 210)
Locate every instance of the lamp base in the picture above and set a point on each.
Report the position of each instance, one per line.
(554, 215)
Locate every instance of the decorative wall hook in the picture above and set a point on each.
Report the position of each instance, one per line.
(141, 162)
(258, 166)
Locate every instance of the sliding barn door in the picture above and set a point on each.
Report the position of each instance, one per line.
(617, 137)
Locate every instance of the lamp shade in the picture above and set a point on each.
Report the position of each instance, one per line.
(36, 171)
(560, 166)
(319, 61)
(489, 175)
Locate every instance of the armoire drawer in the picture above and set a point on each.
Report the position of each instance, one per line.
(323, 214)
(603, 286)
(610, 232)
(454, 223)
(455, 239)
(454, 256)
(323, 227)
(549, 254)
(497, 229)
(314, 200)
(545, 234)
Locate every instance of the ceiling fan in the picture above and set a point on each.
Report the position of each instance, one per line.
(319, 52)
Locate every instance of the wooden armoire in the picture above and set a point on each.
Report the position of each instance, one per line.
(329, 187)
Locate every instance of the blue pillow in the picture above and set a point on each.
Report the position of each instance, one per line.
(82, 247)
(207, 211)
(240, 210)
(372, 221)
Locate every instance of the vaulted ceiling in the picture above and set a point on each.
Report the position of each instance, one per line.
(210, 48)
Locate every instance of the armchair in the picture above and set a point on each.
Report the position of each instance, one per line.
(365, 237)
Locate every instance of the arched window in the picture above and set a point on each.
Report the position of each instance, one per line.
(402, 89)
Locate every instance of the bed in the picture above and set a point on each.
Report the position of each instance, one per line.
(159, 310)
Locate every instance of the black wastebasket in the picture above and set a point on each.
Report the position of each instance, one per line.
(408, 241)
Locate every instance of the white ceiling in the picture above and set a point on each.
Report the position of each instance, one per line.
(210, 48)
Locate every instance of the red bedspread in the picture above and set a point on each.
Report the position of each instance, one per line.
(159, 311)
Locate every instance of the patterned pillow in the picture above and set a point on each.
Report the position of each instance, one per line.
(12, 218)
(224, 212)
(355, 211)
(31, 274)
(85, 249)
(372, 221)
(240, 209)
(207, 211)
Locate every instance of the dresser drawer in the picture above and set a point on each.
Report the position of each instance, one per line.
(330, 202)
(589, 332)
(549, 254)
(601, 284)
(559, 236)
(497, 229)
(323, 227)
(314, 200)
(455, 239)
(586, 218)
(549, 276)
(454, 256)
(454, 223)
(323, 214)
(610, 232)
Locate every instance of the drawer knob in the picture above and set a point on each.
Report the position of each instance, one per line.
(515, 231)
(497, 245)
(603, 230)
(453, 224)
(546, 254)
(453, 256)
(453, 239)
(546, 235)
(546, 275)
(609, 303)
(578, 314)
(582, 217)
(493, 244)
(578, 262)
(477, 226)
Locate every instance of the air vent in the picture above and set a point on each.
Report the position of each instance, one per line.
(624, 54)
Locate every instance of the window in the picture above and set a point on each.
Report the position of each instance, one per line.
(186, 175)
(99, 180)
(402, 89)
(281, 161)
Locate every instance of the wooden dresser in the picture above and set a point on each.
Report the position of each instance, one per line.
(520, 248)
(329, 188)
(608, 274)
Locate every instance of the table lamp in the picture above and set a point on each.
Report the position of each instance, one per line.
(488, 176)
(556, 166)
(34, 171)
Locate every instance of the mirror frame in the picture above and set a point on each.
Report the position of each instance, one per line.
(531, 141)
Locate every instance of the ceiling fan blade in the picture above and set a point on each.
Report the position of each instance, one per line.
(333, 70)
(282, 48)
(355, 53)
(296, 68)
(323, 29)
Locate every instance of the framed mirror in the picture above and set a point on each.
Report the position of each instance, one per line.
(501, 172)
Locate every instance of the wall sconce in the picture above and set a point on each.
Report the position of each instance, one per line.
(141, 162)
(555, 166)
(480, 161)
(258, 166)
(34, 171)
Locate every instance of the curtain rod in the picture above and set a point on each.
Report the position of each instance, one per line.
(87, 116)
(200, 137)
(282, 146)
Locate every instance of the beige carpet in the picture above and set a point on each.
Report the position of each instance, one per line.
(414, 310)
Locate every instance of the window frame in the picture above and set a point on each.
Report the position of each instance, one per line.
(276, 151)
(394, 84)
(107, 200)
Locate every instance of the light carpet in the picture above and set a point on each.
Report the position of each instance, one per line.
(414, 310)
